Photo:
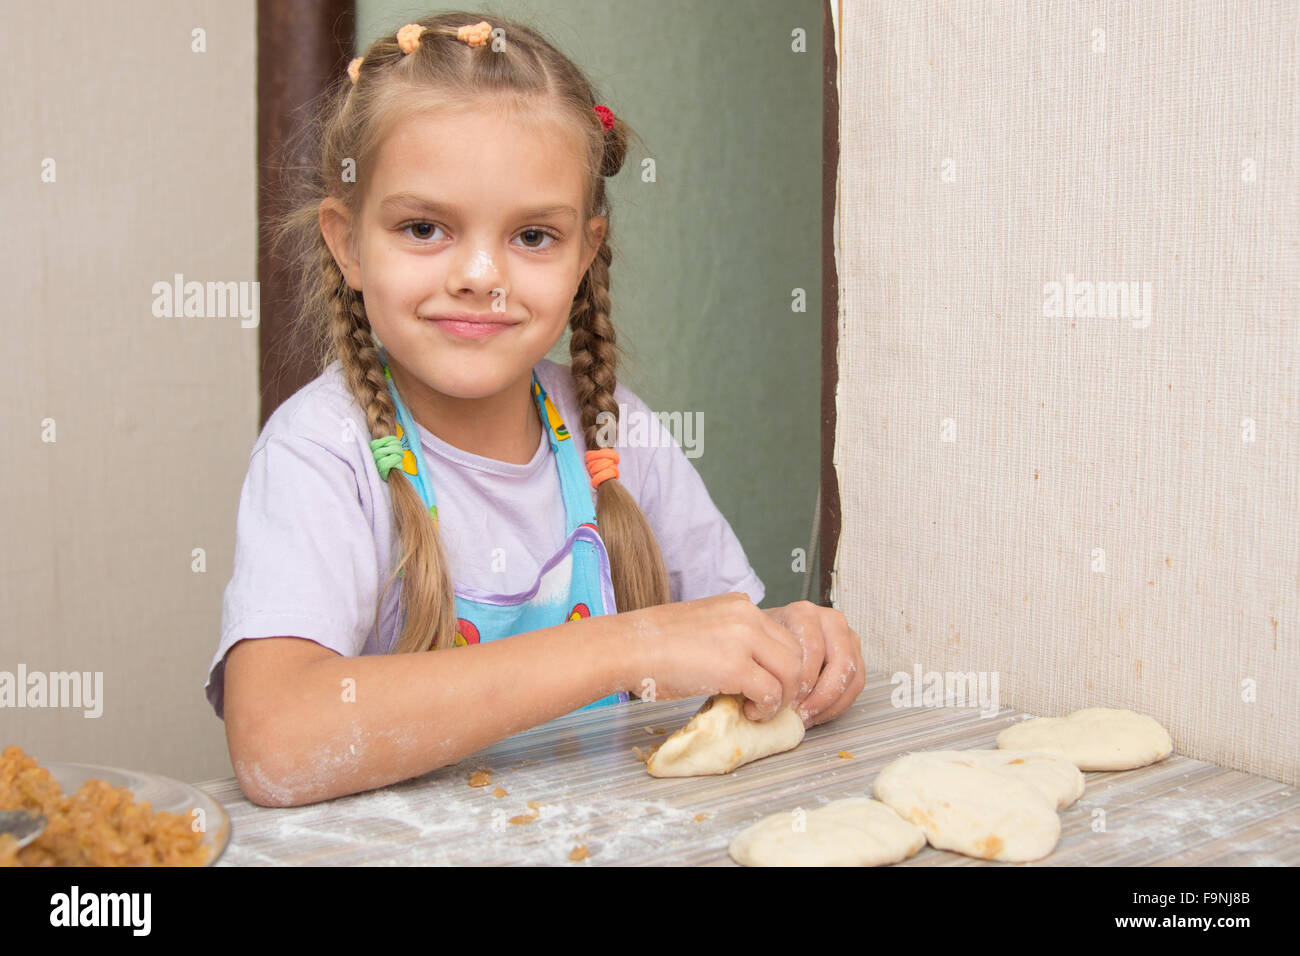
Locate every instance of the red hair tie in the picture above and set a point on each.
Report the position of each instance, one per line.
(606, 117)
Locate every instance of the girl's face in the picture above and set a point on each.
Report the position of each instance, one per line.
(468, 212)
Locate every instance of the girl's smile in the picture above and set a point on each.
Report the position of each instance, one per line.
(465, 327)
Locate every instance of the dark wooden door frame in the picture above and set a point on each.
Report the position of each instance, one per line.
(829, 519)
(302, 46)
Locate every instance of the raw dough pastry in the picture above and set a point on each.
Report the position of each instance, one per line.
(719, 738)
(1096, 738)
(850, 832)
(989, 804)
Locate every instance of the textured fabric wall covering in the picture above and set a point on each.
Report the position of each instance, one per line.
(1100, 504)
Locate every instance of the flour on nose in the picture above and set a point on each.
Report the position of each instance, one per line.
(479, 265)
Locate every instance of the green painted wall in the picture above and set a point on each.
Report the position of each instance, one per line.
(712, 251)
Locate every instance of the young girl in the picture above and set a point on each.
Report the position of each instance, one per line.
(459, 222)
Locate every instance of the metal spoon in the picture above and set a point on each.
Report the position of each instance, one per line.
(25, 825)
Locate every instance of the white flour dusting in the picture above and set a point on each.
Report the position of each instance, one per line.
(410, 824)
(1175, 823)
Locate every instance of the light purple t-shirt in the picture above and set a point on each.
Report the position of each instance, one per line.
(315, 537)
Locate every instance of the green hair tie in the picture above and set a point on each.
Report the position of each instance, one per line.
(388, 454)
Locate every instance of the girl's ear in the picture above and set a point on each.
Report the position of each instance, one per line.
(336, 227)
(596, 227)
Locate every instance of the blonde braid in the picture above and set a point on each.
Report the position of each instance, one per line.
(636, 563)
(426, 580)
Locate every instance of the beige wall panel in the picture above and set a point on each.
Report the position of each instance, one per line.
(1116, 518)
(154, 159)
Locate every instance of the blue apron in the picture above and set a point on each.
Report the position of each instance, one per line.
(574, 583)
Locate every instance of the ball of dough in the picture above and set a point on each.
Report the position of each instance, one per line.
(989, 804)
(850, 832)
(1096, 738)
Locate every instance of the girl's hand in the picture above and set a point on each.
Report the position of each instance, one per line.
(832, 674)
(717, 645)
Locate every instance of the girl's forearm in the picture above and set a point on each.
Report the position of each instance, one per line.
(348, 724)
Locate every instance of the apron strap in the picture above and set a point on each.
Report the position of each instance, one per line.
(575, 481)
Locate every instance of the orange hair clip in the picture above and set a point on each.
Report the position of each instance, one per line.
(602, 463)
(408, 38)
(477, 34)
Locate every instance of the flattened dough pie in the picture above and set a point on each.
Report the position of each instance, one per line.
(850, 832)
(1096, 738)
(719, 738)
(989, 804)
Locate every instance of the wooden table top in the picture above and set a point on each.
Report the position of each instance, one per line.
(590, 791)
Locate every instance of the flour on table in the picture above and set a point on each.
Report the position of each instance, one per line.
(413, 824)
